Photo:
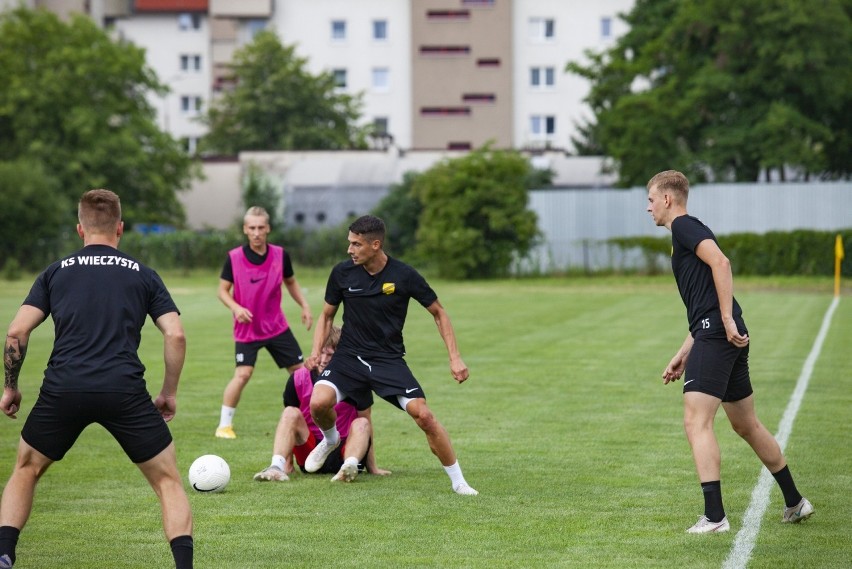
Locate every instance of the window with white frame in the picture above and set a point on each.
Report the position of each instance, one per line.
(190, 104)
(542, 77)
(380, 125)
(338, 30)
(190, 62)
(542, 29)
(188, 21)
(339, 78)
(606, 27)
(381, 79)
(380, 30)
(542, 126)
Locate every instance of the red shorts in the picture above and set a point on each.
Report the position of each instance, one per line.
(332, 463)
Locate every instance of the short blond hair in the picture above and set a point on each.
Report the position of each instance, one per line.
(256, 211)
(99, 211)
(671, 181)
(332, 339)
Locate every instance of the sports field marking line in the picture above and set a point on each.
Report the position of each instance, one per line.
(744, 542)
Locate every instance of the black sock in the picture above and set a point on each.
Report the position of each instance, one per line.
(788, 487)
(182, 551)
(8, 541)
(713, 509)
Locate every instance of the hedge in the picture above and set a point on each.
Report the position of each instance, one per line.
(800, 252)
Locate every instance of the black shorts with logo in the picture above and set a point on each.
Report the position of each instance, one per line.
(718, 368)
(57, 419)
(358, 377)
(283, 348)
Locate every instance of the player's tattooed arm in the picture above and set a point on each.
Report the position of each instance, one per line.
(13, 359)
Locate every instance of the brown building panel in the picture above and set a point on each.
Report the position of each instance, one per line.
(171, 5)
(461, 73)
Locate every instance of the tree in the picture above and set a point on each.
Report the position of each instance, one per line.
(75, 102)
(401, 210)
(258, 190)
(724, 89)
(475, 220)
(36, 215)
(275, 104)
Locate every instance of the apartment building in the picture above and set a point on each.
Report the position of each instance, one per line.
(432, 74)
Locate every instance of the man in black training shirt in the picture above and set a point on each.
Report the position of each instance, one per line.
(714, 356)
(375, 289)
(99, 299)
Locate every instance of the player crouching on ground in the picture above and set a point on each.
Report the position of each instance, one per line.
(297, 435)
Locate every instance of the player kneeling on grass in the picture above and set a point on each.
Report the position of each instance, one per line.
(297, 435)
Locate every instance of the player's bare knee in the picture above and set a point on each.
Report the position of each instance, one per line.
(361, 425)
(322, 399)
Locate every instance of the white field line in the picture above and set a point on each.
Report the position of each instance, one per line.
(745, 539)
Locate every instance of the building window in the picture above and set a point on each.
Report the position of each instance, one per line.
(190, 104)
(187, 21)
(380, 30)
(254, 27)
(190, 62)
(488, 62)
(542, 126)
(339, 78)
(381, 79)
(606, 27)
(542, 77)
(542, 29)
(338, 30)
(477, 2)
(190, 144)
(380, 125)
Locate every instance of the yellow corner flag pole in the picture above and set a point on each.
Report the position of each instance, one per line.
(838, 256)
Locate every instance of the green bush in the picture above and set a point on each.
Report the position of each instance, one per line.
(800, 252)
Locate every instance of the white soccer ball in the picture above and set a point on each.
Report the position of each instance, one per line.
(209, 473)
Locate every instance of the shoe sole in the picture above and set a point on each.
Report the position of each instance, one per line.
(348, 473)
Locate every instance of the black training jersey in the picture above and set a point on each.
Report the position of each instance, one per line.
(99, 299)
(255, 259)
(375, 306)
(694, 277)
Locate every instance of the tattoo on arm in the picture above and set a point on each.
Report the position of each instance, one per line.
(13, 359)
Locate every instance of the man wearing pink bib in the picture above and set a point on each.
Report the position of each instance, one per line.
(250, 286)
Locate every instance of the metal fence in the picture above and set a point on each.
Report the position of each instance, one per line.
(576, 224)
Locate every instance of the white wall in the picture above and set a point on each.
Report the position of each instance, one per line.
(308, 24)
(164, 43)
(577, 28)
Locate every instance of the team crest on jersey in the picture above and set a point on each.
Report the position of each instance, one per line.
(388, 288)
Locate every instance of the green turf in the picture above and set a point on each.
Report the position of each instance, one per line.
(565, 428)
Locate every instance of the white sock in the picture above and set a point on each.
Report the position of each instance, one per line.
(226, 417)
(278, 461)
(455, 474)
(331, 436)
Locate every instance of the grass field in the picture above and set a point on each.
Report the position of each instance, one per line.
(565, 428)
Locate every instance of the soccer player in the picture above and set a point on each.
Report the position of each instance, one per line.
(714, 356)
(99, 299)
(255, 273)
(297, 434)
(374, 290)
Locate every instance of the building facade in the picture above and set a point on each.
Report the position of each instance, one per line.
(432, 74)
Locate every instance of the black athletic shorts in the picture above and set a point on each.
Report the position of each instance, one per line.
(358, 377)
(57, 419)
(283, 348)
(718, 368)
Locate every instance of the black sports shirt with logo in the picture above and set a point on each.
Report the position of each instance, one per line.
(375, 306)
(695, 277)
(99, 299)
